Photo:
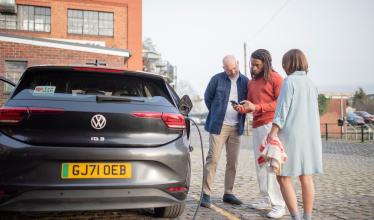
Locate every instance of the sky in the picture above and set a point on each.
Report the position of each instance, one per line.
(337, 37)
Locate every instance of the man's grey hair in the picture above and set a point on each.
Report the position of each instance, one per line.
(229, 58)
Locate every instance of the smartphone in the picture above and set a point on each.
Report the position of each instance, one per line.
(234, 102)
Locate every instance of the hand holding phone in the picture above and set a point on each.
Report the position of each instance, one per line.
(238, 106)
(234, 102)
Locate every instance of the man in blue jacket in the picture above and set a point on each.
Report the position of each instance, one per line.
(225, 126)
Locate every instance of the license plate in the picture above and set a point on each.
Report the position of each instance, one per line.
(95, 170)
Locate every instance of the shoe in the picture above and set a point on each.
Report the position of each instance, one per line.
(205, 201)
(230, 198)
(261, 205)
(276, 212)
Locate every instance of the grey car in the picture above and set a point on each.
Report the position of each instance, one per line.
(82, 138)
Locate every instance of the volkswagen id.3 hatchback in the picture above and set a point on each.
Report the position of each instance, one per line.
(82, 138)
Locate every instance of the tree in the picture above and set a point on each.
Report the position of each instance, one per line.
(359, 96)
(362, 102)
(323, 103)
(149, 45)
(185, 88)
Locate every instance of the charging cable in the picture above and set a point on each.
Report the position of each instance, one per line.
(203, 160)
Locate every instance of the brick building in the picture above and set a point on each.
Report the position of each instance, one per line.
(336, 109)
(69, 32)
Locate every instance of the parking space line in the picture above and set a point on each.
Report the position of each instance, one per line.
(219, 210)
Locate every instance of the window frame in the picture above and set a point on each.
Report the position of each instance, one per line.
(99, 23)
(30, 24)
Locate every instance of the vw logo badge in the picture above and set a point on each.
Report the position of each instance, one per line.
(98, 122)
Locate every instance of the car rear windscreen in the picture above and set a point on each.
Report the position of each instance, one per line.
(72, 84)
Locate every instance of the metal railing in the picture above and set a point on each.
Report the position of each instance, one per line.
(363, 132)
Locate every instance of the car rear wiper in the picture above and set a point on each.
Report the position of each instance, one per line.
(103, 98)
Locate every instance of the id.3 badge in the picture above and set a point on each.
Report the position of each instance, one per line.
(96, 139)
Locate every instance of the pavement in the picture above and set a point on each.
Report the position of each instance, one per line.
(344, 191)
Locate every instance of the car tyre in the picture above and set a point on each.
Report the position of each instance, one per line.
(170, 211)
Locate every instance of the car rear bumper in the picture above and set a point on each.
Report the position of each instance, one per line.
(30, 177)
(80, 200)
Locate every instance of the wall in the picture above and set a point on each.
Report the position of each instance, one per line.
(127, 24)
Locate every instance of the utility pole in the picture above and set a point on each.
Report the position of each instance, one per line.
(175, 78)
(245, 58)
(247, 123)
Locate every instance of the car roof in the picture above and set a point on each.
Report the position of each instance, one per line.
(97, 70)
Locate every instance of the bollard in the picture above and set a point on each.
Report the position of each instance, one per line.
(327, 134)
(341, 132)
(362, 133)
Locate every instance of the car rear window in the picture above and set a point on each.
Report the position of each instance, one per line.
(77, 84)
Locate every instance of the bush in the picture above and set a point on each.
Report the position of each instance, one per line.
(323, 103)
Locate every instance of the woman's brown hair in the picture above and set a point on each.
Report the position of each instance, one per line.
(294, 60)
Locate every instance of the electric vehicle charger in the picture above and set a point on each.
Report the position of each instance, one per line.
(203, 160)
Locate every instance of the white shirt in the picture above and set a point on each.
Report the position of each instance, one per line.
(231, 116)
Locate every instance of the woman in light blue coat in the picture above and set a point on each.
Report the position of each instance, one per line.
(296, 123)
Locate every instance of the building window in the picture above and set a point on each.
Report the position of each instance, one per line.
(42, 19)
(90, 22)
(8, 21)
(28, 18)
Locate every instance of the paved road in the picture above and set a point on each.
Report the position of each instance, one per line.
(344, 191)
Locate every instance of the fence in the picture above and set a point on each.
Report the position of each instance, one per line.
(364, 132)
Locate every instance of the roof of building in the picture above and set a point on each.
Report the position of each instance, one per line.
(338, 95)
(64, 45)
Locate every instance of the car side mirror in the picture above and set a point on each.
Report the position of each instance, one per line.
(185, 105)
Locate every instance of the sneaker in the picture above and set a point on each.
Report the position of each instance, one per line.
(205, 201)
(277, 212)
(230, 198)
(261, 205)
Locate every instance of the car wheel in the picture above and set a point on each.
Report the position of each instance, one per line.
(170, 211)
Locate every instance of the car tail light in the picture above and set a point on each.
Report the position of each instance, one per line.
(33, 110)
(172, 120)
(14, 115)
(147, 114)
(177, 189)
